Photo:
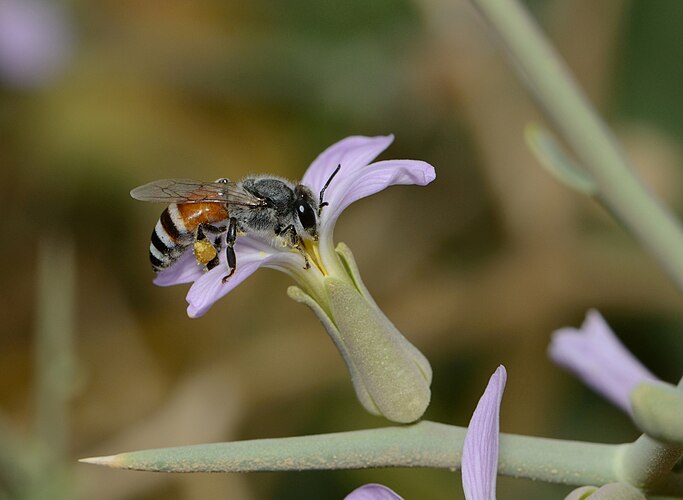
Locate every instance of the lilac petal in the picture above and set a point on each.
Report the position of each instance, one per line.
(370, 180)
(373, 492)
(351, 153)
(210, 287)
(480, 451)
(251, 254)
(185, 270)
(595, 355)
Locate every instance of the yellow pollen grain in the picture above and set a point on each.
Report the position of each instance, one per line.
(204, 251)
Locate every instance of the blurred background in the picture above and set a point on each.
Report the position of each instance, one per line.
(476, 269)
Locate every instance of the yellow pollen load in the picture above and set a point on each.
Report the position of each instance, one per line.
(204, 252)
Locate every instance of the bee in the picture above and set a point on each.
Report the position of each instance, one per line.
(200, 213)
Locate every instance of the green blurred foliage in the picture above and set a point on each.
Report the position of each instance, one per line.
(476, 269)
(648, 79)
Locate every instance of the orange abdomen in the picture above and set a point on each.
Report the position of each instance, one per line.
(194, 214)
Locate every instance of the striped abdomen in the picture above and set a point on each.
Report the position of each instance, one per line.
(176, 230)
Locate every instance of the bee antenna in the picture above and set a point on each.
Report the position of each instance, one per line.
(321, 203)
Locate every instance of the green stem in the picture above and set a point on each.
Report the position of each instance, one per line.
(647, 463)
(556, 461)
(55, 368)
(425, 444)
(54, 356)
(551, 84)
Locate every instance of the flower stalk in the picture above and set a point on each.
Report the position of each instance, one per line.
(657, 408)
(553, 87)
(648, 461)
(424, 444)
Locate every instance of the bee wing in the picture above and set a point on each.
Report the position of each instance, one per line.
(191, 191)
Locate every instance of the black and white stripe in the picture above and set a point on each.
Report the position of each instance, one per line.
(169, 239)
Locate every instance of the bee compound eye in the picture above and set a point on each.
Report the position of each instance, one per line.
(306, 215)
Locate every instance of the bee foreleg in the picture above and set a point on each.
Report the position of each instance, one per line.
(289, 235)
(294, 241)
(230, 238)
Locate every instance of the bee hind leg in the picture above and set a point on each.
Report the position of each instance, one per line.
(230, 238)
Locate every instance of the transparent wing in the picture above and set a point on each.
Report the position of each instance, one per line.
(191, 191)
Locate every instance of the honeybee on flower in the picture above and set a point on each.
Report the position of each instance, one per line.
(300, 243)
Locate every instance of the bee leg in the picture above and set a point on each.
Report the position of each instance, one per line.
(213, 263)
(295, 242)
(230, 238)
(288, 234)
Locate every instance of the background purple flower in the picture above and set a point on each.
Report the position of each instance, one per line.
(373, 492)
(595, 355)
(35, 41)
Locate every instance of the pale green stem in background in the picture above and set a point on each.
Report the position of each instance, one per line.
(551, 155)
(54, 344)
(14, 457)
(646, 462)
(551, 84)
(36, 467)
(54, 363)
(425, 444)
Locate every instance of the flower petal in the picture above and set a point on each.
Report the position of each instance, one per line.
(184, 270)
(595, 355)
(370, 180)
(351, 153)
(251, 254)
(372, 492)
(480, 451)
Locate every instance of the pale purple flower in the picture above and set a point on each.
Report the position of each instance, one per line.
(390, 376)
(373, 492)
(595, 355)
(357, 178)
(35, 41)
(480, 451)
